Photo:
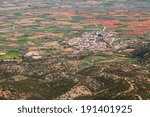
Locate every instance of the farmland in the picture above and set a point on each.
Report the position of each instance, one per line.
(32, 25)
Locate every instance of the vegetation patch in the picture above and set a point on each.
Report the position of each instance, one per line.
(19, 78)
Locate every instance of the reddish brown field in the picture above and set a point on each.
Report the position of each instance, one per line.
(144, 23)
(36, 37)
(139, 30)
(51, 34)
(109, 24)
(44, 23)
(58, 14)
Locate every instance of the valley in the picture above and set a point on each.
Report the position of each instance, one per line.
(74, 49)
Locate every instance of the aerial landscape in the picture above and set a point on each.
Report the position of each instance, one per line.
(74, 49)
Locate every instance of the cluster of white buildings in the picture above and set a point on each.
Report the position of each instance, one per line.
(95, 41)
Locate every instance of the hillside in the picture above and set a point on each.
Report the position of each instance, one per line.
(65, 80)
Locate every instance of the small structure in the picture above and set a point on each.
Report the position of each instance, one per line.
(32, 55)
(2, 53)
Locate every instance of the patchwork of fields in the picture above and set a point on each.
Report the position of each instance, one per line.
(28, 26)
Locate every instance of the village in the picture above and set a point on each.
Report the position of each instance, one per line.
(100, 41)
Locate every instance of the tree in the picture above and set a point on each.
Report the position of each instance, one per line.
(141, 51)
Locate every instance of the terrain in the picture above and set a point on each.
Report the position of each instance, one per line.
(74, 49)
